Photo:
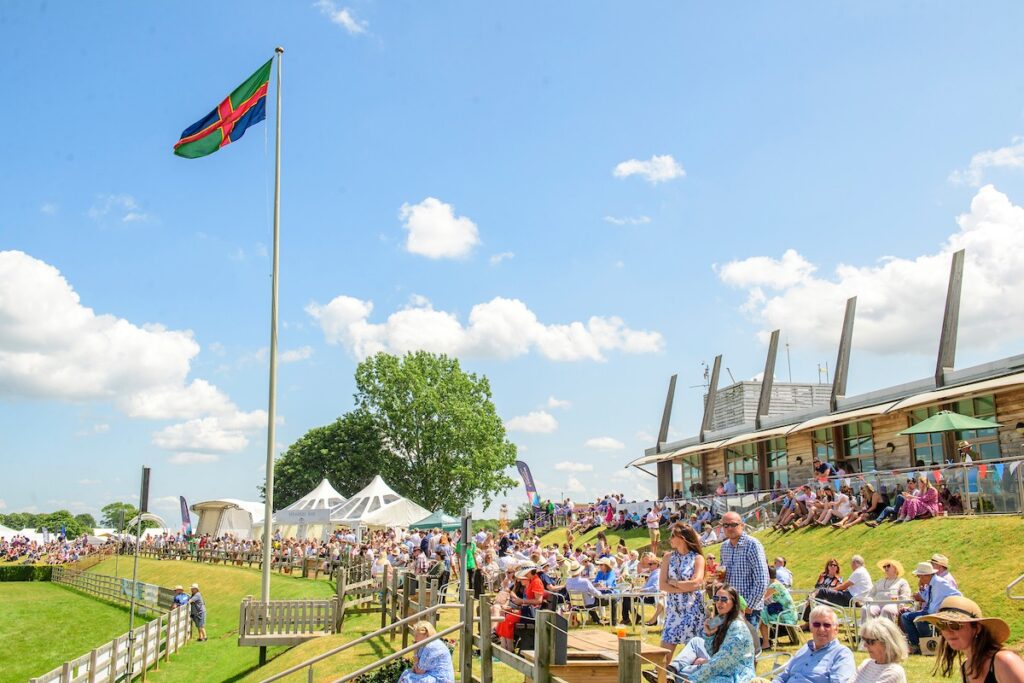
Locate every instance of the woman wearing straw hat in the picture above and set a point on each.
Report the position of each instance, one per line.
(979, 641)
(891, 587)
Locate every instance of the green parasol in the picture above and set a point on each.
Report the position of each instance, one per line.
(948, 421)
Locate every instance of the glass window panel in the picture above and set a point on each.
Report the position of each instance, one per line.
(741, 465)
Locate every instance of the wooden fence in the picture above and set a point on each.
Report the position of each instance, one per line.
(156, 640)
(148, 597)
(308, 566)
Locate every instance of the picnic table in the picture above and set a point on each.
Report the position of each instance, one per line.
(592, 656)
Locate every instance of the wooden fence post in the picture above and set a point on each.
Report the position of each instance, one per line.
(406, 589)
(542, 647)
(421, 593)
(394, 601)
(486, 665)
(384, 598)
(112, 669)
(629, 660)
(342, 581)
(466, 639)
(92, 666)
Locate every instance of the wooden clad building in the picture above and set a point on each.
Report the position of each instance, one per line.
(860, 435)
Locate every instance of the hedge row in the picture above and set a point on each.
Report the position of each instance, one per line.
(25, 572)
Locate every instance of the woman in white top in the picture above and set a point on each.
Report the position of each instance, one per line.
(886, 647)
(891, 587)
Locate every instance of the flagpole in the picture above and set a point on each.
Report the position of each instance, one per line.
(268, 507)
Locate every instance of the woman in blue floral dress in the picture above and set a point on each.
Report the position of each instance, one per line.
(682, 579)
(433, 661)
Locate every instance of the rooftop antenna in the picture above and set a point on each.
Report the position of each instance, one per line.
(823, 369)
(789, 363)
(707, 378)
(730, 375)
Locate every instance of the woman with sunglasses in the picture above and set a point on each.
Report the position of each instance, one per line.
(965, 634)
(828, 578)
(886, 648)
(681, 579)
(726, 655)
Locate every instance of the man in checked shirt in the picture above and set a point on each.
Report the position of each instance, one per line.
(746, 567)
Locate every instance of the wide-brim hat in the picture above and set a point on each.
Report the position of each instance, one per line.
(523, 572)
(940, 559)
(895, 563)
(963, 611)
(196, 586)
(575, 568)
(607, 561)
(924, 569)
(178, 588)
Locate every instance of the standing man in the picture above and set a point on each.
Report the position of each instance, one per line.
(653, 520)
(179, 597)
(746, 567)
(198, 611)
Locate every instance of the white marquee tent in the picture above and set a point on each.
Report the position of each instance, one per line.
(7, 532)
(228, 516)
(378, 506)
(309, 516)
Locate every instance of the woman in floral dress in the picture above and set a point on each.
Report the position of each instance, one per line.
(433, 661)
(682, 579)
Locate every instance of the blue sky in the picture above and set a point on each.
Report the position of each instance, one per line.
(578, 200)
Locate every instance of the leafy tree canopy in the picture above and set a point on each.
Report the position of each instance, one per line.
(348, 452)
(111, 516)
(441, 423)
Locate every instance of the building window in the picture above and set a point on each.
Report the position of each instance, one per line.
(775, 462)
(858, 447)
(823, 445)
(927, 448)
(984, 441)
(742, 467)
(688, 482)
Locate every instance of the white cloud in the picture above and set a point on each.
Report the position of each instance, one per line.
(498, 329)
(645, 436)
(567, 466)
(1011, 156)
(658, 169)
(186, 458)
(436, 232)
(122, 207)
(574, 485)
(628, 220)
(49, 209)
(217, 348)
(166, 503)
(341, 16)
(296, 355)
(89, 482)
(899, 300)
(604, 443)
(53, 347)
(495, 259)
(536, 422)
(554, 403)
(98, 428)
(215, 433)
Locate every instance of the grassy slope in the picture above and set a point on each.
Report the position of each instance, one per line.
(29, 644)
(220, 658)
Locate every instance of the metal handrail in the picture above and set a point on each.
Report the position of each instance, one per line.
(1009, 589)
(362, 639)
(400, 653)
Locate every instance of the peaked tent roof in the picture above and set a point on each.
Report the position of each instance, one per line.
(7, 532)
(322, 497)
(378, 505)
(438, 520)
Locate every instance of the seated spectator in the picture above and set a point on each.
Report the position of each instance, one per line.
(892, 586)
(784, 576)
(650, 566)
(823, 659)
(921, 506)
(578, 583)
(433, 661)
(941, 564)
(893, 511)
(858, 585)
(977, 641)
(829, 578)
(778, 607)
(951, 502)
(887, 648)
(933, 590)
(788, 510)
(726, 653)
(873, 504)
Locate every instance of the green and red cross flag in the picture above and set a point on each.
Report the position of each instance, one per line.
(245, 106)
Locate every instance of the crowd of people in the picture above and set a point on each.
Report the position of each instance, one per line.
(57, 550)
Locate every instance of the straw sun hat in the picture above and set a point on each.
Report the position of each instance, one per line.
(961, 610)
(895, 563)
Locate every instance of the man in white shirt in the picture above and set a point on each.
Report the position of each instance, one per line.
(653, 519)
(784, 576)
(858, 585)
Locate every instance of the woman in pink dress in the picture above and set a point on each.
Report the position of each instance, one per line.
(924, 505)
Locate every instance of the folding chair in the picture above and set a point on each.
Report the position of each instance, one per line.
(847, 616)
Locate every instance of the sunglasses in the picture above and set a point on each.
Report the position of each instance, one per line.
(869, 641)
(731, 525)
(721, 598)
(948, 625)
(824, 625)
(886, 566)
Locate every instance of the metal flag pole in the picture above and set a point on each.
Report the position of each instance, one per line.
(268, 507)
(143, 508)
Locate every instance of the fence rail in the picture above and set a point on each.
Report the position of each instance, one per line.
(156, 640)
(148, 597)
(286, 622)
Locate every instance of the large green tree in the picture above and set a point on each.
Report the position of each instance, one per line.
(442, 424)
(111, 516)
(348, 452)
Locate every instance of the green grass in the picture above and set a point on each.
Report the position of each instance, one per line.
(223, 587)
(42, 625)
